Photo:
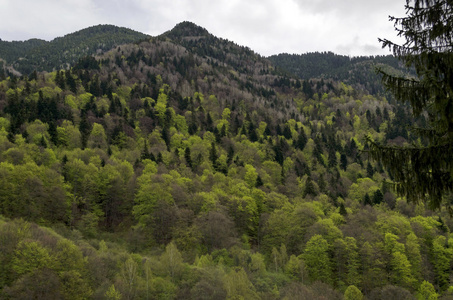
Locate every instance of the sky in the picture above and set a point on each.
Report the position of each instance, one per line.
(347, 27)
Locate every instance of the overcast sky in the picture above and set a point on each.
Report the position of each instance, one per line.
(349, 27)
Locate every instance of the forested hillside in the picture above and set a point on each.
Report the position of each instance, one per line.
(28, 56)
(188, 167)
(359, 72)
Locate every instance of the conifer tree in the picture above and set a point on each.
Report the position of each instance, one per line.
(423, 172)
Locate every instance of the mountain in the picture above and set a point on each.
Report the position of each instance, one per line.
(185, 166)
(359, 72)
(61, 52)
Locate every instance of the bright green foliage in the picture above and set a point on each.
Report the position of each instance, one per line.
(426, 291)
(295, 268)
(353, 293)
(30, 257)
(250, 175)
(238, 286)
(348, 263)
(171, 260)
(113, 294)
(401, 270)
(413, 255)
(98, 138)
(441, 259)
(317, 261)
(74, 285)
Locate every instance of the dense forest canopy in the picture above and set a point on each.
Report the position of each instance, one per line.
(34, 54)
(186, 166)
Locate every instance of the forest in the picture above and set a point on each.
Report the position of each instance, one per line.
(185, 166)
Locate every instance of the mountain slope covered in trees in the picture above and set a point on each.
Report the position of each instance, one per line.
(187, 167)
(359, 72)
(61, 52)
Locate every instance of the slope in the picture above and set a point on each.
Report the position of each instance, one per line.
(59, 53)
(356, 71)
(169, 172)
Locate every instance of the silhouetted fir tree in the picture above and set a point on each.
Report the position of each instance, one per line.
(267, 131)
(52, 130)
(369, 170)
(253, 137)
(259, 181)
(43, 142)
(301, 141)
(317, 152)
(209, 122)
(84, 128)
(25, 134)
(165, 133)
(378, 197)
(322, 184)
(223, 131)
(287, 132)
(213, 155)
(423, 173)
(343, 162)
(64, 160)
(332, 158)
(279, 156)
(442, 227)
(230, 154)
(343, 211)
(187, 157)
(60, 80)
(367, 200)
(11, 135)
(70, 81)
(309, 189)
(217, 135)
(145, 151)
(278, 130)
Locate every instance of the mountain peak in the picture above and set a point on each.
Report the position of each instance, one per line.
(187, 29)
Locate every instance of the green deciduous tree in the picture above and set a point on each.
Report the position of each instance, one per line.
(317, 261)
(30, 256)
(441, 260)
(353, 293)
(426, 291)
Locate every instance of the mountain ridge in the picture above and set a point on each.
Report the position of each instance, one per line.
(61, 52)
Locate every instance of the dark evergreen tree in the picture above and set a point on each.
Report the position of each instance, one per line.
(332, 159)
(187, 157)
(378, 197)
(287, 132)
(423, 172)
(213, 155)
(343, 162)
(259, 181)
(84, 128)
(309, 188)
(52, 130)
(301, 141)
(369, 170)
(343, 211)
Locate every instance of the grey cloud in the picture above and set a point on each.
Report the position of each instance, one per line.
(266, 26)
